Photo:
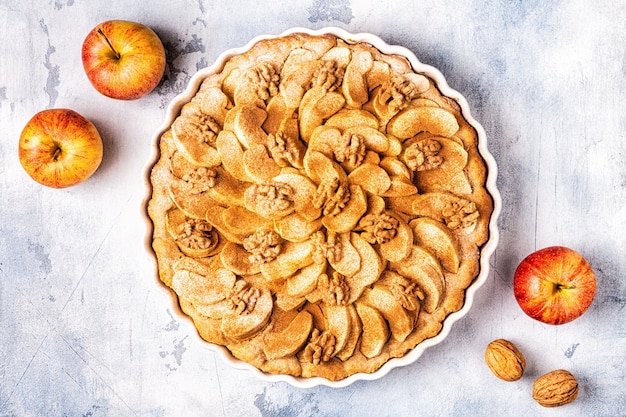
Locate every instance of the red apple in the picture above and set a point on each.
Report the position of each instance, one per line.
(554, 285)
(60, 148)
(123, 60)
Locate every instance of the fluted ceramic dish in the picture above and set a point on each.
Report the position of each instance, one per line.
(486, 250)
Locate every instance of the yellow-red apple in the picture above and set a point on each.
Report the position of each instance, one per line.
(123, 60)
(60, 148)
(554, 285)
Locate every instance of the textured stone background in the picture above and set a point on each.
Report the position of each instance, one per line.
(86, 332)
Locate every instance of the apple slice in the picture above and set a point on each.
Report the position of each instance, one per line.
(215, 216)
(305, 280)
(378, 74)
(288, 302)
(399, 247)
(180, 166)
(215, 103)
(231, 81)
(237, 260)
(406, 291)
(329, 104)
(403, 205)
(294, 256)
(319, 321)
(215, 310)
(231, 154)
(317, 105)
(227, 190)
(423, 267)
(201, 283)
(325, 140)
(400, 187)
(296, 228)
(449, 174)
(351, 213)
(257, 80)
(424, 102)
(354, 336)
(350, 261)
(454, 211)
(376, 204)
(354, 86)
(208, 328)
(410, 121)
(243, 326)
(373, 139)
(371, 177)
(258, 164)
(458, 183)
(308, 118)
(395, 146)
(296, 74)
(340, 54)
(291, 339)
(349, 118)
(371, 267)
(439, 240)
(395, 168)
(175, 218)
(419, 81)
(304, 191)
(245, 122)
(322, 169)
(277, 112)
(378, 103)
(399, 320)
(193, 139)
(240, 220)
(193, 205)
(338, 323)
(432, 204)
(375, 330)
(299, 66)
(274, 271)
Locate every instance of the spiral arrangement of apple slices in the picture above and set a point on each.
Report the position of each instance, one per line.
(318, 207)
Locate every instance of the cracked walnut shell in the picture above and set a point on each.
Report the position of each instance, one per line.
(505, 360)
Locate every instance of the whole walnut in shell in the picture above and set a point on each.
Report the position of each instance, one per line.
(505, 360)
(555, 388)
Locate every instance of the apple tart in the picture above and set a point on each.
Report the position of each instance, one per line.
(318, 207)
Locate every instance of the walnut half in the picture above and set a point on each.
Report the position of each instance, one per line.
(320, 347)
(263, 245)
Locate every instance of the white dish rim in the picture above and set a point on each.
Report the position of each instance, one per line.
(486, 250)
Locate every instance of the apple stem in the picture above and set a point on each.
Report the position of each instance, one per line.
(117, 54)
(559, 286)
(57, 154)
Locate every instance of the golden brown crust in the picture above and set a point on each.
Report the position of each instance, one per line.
(318, 207)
